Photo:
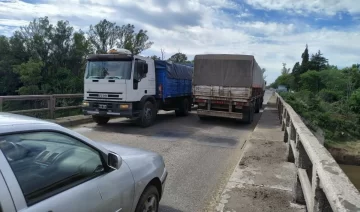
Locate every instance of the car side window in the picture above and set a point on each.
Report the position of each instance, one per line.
(47, 163)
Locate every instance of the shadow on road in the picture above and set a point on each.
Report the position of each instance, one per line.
(171, 128)
(165, 208)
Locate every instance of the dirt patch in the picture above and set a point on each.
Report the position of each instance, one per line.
(259, 199)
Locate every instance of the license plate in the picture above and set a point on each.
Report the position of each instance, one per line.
(102, 95)
(102, 106)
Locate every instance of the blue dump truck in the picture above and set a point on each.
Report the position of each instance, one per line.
(118, 84)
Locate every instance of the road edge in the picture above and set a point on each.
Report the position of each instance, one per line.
(71, 121)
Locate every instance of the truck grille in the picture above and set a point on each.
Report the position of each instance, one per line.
(100, 95)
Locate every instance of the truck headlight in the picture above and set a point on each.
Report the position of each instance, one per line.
(85, 104)
(124, 106)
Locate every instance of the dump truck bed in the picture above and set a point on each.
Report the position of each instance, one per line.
(173, 80)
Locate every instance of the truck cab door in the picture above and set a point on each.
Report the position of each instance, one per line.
(143, 82)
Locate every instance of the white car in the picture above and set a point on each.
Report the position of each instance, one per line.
(45, 167)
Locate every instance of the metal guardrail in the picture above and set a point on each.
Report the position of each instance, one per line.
(50, 98)
(320, 182)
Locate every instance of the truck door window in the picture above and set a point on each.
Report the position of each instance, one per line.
(139, 70)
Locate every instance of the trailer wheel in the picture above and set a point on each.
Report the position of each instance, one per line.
(249, 114)
(257, 106)
(147, 115)
(183, 109)
(101, 120)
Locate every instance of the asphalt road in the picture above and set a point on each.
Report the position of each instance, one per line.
(199, 155)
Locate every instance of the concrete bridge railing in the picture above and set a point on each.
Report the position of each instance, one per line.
(50, 106)
(320, 183)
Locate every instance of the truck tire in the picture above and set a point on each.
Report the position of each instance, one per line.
(203, 118)
(249, 114)
(257, 106)
(101, 120)
(147, 115)
(183, 109)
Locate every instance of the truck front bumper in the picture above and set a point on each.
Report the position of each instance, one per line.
(219, 114)
(111, 109)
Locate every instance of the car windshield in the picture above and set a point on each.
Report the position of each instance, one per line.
(108, 70)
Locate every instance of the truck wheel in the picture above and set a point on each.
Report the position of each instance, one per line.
(183, 109)
(147, 115)
(257, 106)
(101, 120)
(202, 118)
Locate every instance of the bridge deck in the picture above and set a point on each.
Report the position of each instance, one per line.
(263, 179)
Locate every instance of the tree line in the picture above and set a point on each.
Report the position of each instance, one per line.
(45, 58)
(328, 97)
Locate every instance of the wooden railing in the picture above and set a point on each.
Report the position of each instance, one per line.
(51, 103)
(320, 182)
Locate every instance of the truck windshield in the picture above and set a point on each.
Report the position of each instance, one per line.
(108, 70)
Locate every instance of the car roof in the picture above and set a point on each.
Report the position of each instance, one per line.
(15, 119)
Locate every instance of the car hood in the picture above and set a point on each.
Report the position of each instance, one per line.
(128, 153)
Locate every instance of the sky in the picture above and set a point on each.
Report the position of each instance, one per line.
(274, 31)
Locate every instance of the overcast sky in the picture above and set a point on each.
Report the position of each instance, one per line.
(275, 31)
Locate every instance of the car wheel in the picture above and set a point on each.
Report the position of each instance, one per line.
(149, 200)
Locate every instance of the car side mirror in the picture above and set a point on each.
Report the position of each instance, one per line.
(114, 161)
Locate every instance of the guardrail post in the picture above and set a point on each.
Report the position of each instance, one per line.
(302, 161)
(320, 202)
(51, 104)
(1, 104)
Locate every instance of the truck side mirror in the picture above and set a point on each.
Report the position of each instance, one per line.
(145, 68)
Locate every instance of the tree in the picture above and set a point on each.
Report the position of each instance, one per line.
(285, 70)
(263, 70)
(37, 39)
(311, 81)
(305, 56)
(136, 42)
(30, 76)
(103, 35)
(178, 58)
(305, 61)
(318, 62)
(285, 80)
(162, 53)
(79, 48)
(154, 57)
(61, 38)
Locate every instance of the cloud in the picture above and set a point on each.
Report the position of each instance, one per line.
(327, 7)
(212, 26)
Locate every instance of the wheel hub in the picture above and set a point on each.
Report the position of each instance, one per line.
(148, 113)
(150, 204)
